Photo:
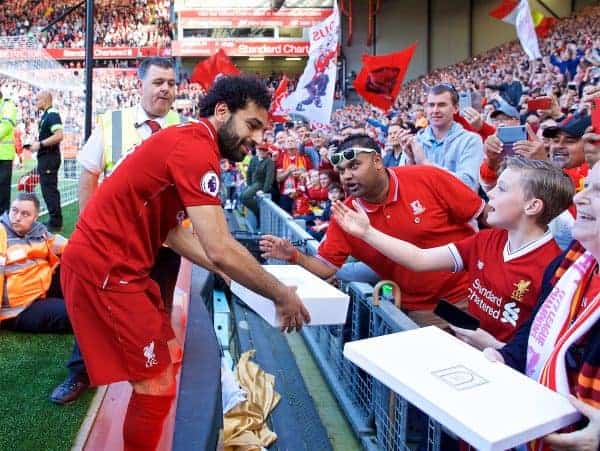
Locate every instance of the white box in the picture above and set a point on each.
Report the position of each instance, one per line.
(325, 303)
(487, 404)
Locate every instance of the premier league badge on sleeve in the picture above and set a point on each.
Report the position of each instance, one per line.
(210, 183)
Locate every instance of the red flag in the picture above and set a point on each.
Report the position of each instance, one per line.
(381, 77)
(545, 26)
(505, 10)
(275, 112)
(207, 71)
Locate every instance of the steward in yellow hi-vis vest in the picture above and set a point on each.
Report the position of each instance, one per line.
(120, 133)
(8, 122)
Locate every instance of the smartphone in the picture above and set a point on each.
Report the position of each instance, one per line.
(464, 100)
(510, 135)
(596, 115)
(572, 86)
(539, 103)
(455, 316)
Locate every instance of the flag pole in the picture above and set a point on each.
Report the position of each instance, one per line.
(89, 65)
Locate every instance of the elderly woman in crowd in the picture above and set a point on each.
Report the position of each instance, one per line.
(560, 345)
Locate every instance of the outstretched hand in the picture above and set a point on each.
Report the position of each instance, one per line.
(355, 222)
(275, 247)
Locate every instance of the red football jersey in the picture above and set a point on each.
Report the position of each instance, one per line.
(426, 206)
(504, 286)
(127, 220)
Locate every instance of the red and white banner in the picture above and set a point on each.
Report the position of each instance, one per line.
(313, 97)
(237, 18)
(518, 13)
(233, 47)
(109, 53)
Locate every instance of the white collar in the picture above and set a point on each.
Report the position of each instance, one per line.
(141, 117)
(531, 246)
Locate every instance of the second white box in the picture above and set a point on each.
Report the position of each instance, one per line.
(326, 304)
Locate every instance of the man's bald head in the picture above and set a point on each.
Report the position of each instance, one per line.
(44, 100)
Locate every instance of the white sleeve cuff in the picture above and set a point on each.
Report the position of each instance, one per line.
(458, 261)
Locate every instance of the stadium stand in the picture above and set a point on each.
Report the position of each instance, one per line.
(377, 416)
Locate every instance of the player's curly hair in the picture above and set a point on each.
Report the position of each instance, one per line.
(236, 91)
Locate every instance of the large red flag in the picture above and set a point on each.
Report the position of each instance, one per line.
(381, 77)
(275, 112)
(207, 71)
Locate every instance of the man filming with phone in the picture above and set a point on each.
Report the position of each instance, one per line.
(510, 138)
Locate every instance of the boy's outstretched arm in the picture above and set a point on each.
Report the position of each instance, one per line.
(356, 222)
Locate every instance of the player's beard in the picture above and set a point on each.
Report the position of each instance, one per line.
(230, 143)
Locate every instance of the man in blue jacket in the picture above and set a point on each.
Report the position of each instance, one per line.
(444, 142)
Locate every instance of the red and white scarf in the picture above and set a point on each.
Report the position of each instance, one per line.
(561, 321)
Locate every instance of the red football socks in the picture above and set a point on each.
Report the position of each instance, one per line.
(144, 420)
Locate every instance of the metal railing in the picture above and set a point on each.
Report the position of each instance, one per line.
(380, 418)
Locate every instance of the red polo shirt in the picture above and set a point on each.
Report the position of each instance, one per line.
(426, 206)
(123, 226)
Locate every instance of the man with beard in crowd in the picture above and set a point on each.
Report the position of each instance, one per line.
(116, 309)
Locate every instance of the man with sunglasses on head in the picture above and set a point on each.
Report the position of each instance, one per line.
(444, 142)
(426, 206)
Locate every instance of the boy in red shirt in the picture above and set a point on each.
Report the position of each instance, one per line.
(505, 264)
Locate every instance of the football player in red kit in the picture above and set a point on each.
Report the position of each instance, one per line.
(116, 309)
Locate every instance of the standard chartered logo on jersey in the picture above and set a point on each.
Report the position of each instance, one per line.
(492, 304)
(510, 314)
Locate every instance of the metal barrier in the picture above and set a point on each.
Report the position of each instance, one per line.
(379, 417)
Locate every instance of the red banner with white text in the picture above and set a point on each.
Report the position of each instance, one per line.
(234, 47)
(237, 18)
(109, 53)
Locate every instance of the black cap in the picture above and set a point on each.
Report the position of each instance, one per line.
(573, 125)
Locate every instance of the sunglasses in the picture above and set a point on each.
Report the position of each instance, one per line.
(348, 154)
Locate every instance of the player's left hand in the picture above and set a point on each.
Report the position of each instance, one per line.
(586, 439)
(35, 146)
(478, 338)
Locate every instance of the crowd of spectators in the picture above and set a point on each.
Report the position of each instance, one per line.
(428, 125)
(499, 83)
(117, 23)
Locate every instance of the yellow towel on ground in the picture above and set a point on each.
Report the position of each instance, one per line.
(245, 427)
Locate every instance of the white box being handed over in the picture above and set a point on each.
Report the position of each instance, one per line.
(325, 303)
(487, 404)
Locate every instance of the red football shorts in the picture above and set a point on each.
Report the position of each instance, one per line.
(122, 336)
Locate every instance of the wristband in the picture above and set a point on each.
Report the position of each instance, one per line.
(294, 258)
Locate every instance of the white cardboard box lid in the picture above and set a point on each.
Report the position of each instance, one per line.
(487, 404)
(325, 303)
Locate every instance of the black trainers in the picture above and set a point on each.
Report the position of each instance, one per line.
(69, 390)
